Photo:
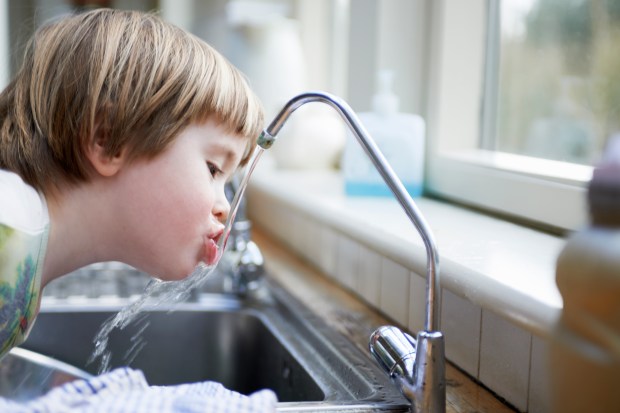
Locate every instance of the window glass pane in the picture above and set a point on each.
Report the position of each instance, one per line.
(559, 77)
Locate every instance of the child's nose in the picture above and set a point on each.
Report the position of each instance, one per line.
(221, 208)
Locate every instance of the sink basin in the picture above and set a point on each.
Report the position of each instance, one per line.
(193, 343)
(245, 344)
(25, 375)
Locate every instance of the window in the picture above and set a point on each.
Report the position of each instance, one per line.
(558, 64)
(523, 96)
(462, 65)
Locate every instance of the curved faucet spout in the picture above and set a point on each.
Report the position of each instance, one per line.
(268, 137)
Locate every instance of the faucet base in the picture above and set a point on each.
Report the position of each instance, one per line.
(429, 380)
(417, 366)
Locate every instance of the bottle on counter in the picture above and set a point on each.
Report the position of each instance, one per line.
(585, 346)
(400, 138)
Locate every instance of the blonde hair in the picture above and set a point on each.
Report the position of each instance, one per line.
(124, 76)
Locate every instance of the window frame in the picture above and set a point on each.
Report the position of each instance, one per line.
(533, 190)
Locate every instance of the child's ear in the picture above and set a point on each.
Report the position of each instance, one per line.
(106, 165)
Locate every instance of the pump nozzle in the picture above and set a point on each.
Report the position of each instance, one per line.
(385, 102)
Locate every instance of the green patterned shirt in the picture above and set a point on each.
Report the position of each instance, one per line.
(24, 229)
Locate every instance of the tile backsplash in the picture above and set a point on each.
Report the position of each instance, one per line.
(461, 324)
(505, 352)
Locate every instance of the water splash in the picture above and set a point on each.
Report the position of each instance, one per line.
(159, 292)
(137, 344)
(156, 293)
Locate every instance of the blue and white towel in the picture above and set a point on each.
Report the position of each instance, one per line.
(125, 390)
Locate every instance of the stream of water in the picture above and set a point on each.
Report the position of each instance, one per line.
(159, 292)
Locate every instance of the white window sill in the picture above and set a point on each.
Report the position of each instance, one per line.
(496, 265)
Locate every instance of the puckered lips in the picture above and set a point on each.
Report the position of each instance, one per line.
(211, 249)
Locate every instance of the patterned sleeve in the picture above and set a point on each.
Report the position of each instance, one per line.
(21, 259)
(125, 390)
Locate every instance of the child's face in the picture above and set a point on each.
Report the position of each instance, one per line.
(174, 205)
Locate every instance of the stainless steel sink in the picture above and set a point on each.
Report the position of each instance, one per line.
(25, 375)
(218, 340)
(269, 340)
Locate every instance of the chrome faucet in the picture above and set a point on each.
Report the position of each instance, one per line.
(242, 265)
(417, 366)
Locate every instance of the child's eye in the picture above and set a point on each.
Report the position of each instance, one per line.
(213, 169)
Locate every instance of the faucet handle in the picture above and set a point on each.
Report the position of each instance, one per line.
(394, 350)
(417, 366)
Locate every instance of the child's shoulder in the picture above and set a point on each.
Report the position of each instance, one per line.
(21, 206)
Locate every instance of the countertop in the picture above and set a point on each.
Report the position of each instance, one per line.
(353, 318)
(498, 265)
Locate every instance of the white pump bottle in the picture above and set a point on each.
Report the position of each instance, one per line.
(399, 136)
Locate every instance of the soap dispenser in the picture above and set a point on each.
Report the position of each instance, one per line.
(400, 138)
(585, 344)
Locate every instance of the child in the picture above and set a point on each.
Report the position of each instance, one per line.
(116, 139)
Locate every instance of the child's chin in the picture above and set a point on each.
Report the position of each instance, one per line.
(176, 275)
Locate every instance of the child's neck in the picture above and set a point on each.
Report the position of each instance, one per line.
(80, 229)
